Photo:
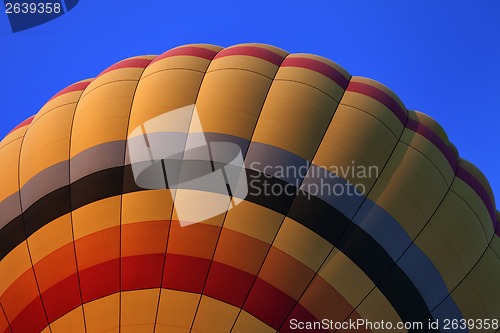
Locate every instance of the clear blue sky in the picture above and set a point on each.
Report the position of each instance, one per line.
(441, 57)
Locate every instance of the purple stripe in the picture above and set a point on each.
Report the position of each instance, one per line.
(426, 132)
(319, 67)
(380, 96)
(253, 51)
(470, 180)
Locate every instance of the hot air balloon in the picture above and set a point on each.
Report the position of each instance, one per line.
(241, 189)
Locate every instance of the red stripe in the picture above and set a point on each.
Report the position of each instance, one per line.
(25, 122)
(185, 273)
(429, 134)
(74, 87)
(193, 51)
(129, 63)
(380, 96)
(319, 67)
(252, 51)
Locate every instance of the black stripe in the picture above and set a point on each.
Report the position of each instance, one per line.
(310, 211)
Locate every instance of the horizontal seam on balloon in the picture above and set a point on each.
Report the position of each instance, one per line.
(309, 85)
(240, 69)
(169, 69)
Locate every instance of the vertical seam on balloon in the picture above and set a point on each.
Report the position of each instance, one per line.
(470, 270)
(121, 201)
(24, 225)
(333, 246)
(71, 208)
(285, 215)
(173, 206)
(5, 315)
(172, 209)
(376, 284)
(225, 214)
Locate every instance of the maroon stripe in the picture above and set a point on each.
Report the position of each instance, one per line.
(100, 280)
(319, 67)
(300, 314)
(193, 51)
(228, 283)
(31, 319)
(142, 271)
(381, 96)
(470, 180)
(269, 304)
(429, 134)
(62, 298)
(74, 87)
(253, 51)
(24, 123)
(129, 63)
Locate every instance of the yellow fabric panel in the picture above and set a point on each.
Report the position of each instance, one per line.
(477, 296)
(214, 316)
(464, 191)
(375, 307)
(163, 91)
(177, 62)
(97, 216)
(302, 244)
(453, 239)
(446, 253)
(50, 237)
(254, 220)
(9, 169)
(47, 142)
(205, 202)
(230, 101)
(46, 330)
(340, 272)
(176, 311)
(92, 126)
(355, 136)
(455, 218)
(249, 63)
(66, 98)
(410, 188)
(71, 322)
(294, 117)
(102, 315)
(13, 266)
(484, 278)
(495, 245)
(372, 106)
(119, 74)
(146, 206)
(313, 78)
(13, 136)
(246, 323)
(138, 310)
(430, 151)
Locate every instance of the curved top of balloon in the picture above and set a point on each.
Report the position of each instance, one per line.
(304, 131)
